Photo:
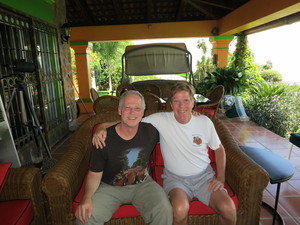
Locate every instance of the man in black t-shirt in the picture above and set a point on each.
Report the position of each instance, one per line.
(122, 169)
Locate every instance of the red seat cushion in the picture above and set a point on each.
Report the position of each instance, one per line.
(157, 162)
(16, 212)
(4, 167)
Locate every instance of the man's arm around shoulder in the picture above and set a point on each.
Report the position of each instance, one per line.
(100, 134)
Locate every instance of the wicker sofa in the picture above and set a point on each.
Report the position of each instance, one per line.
(63, 182)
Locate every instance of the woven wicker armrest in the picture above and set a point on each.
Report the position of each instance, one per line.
(25, 183)
(245, 177)
(62, 183)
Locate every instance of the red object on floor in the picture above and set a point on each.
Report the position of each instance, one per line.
(157, 163)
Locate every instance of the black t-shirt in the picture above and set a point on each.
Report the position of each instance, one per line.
(125, 162)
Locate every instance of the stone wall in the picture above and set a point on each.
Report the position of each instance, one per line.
(59, 14)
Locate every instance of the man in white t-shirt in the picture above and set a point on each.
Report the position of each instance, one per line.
(184, 139)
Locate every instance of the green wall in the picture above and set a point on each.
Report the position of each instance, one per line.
(41, 9)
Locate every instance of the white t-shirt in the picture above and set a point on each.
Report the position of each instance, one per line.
(184, 146)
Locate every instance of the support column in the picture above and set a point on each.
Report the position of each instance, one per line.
(220, 49)
(83, 50)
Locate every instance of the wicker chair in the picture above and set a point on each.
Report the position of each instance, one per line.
(215, 97)
(94, 94)
(167, 105)
(24, 184)
(106, 104)
(152, 101)
(165, 90)
(152, 88)
(62, 183)
(123, 87)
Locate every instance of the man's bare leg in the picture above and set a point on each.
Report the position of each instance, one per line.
(181, 205)
(221, 202)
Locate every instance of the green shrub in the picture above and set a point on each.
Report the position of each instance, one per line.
(275, 107)
(271, 75)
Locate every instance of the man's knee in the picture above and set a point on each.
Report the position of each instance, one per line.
(180, 210)
(227, 211)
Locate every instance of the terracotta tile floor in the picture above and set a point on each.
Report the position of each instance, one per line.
(250, 134)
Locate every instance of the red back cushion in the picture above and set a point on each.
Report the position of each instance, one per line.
(211, 155)
(158, 159)
(95, 128)
(4, 170)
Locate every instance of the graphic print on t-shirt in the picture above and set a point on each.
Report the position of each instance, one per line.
(197, 139)
(134, 168)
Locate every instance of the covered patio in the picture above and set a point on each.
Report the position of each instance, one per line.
(33, 32)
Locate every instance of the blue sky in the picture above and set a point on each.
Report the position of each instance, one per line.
(280, 45)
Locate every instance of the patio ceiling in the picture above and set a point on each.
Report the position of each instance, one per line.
(104, 20)
(121, 12)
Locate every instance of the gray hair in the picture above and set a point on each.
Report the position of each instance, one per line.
(132, 92)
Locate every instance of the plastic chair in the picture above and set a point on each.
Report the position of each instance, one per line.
(94, 94)
(106, 104)
(215, 97)
(152, 101)
(152, 88)
(123, 87)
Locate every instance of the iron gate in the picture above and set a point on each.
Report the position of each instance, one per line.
(35, 42)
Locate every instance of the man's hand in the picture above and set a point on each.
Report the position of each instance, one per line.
(215, 184)
(100, 134)
(99, 137)
(196, 113)
(84, 210)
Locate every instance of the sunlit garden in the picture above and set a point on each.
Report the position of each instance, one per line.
(268, 101)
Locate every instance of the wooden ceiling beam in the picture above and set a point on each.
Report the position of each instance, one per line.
(143, 31)
(201, 9)
(256, 13)
(215, 4)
